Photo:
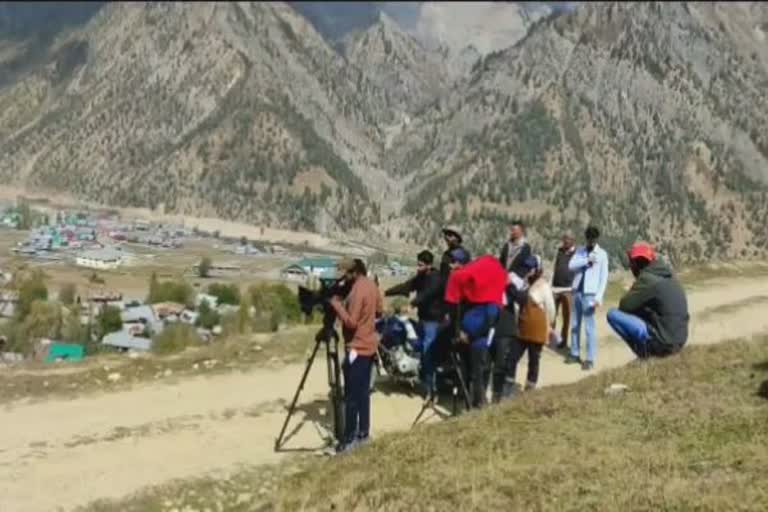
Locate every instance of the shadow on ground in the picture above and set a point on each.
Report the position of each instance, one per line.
(314, 413)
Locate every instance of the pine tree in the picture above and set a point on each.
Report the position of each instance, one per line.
(154, 289)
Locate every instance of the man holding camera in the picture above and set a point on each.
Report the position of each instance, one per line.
(427, 284)
(358, 319)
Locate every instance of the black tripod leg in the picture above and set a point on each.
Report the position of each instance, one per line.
(334, 383)
(292, 407)
(421, 413)
(462, 382)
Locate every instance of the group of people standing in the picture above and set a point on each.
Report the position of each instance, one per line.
(499, 309)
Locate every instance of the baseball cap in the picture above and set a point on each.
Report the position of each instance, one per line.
(532, 262)
(642, 250)
(345, 265)
(459, 255)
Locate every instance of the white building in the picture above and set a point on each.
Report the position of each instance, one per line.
(101, 259)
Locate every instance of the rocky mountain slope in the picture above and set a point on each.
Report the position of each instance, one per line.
(238, 110)
(410, 75)
(646, 119)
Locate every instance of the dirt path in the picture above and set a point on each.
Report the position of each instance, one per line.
(57, 455)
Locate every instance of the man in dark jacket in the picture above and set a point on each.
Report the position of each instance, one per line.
(428, 286)
(562, 282)
(516, 250)
(453, 240)
(653, 315)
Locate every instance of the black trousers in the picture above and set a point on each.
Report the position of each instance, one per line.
(519, 347)
(475, 368)
(500, 355)
(357, 397)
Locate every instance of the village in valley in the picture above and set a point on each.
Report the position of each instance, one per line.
(76, 283)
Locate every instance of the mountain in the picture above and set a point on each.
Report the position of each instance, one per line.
(647, 119)
(410, 75)
(238, 110)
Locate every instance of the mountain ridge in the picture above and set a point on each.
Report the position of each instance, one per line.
(645, 119)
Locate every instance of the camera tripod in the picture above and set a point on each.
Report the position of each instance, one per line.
(458, 383)
(329, 337)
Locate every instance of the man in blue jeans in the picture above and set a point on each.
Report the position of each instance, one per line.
(428, 286)
(590, 266)
(652, 318)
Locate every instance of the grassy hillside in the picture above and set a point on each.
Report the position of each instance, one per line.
(689, 435)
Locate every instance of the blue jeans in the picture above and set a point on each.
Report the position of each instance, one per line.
(632, 329)
(583, 311)
(357, 397)
(428, 337)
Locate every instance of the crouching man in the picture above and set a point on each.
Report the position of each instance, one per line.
(358, 320)
(652, 318)
(474, 295)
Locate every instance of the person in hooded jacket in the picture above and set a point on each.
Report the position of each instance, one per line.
(652, 317)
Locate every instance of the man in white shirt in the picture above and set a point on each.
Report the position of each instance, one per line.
(590, 264)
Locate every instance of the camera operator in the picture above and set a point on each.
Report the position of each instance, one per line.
(358, 318)
(427, 284)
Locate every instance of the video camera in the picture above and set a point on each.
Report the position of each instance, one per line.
(320, 299)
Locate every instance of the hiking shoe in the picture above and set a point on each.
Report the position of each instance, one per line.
(588, 365)
(348, 447)
(571, 359)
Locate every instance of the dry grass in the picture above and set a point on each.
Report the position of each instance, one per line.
(245, 490)
(690, 435)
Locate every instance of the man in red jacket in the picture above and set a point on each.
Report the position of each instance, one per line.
(475, 295)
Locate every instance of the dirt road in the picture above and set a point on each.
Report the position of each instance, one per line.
(57, 455)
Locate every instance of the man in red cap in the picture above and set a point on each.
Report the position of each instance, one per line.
(652, 318)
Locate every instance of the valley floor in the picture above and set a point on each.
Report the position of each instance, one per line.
(61, 454)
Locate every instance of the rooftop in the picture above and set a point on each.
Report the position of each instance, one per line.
(106, 254)
(318, 262)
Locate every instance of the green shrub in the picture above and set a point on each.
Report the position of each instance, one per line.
(109, 320)
(170, 291)
(276, 299)
(175, 338)
(31, 288)
(225, 293)
(67, 294)
(208, 317)
(204, 269)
